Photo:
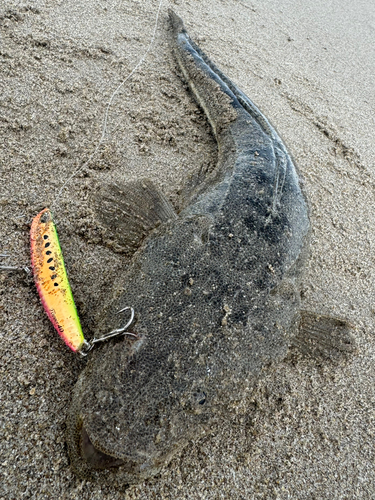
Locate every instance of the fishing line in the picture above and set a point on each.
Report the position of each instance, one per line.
(105, 121)
(48, 266)
(47, 261)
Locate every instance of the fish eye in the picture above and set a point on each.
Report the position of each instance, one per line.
(200, 397)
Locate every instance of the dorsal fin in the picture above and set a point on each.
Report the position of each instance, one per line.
(129, 212)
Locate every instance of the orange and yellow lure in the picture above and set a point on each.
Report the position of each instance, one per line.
(52, 281)
(54, 290)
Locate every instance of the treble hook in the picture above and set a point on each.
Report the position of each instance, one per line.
(87, 346)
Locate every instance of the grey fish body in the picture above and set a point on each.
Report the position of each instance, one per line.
(215, 290)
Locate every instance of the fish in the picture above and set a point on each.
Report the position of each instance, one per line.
(216, 291)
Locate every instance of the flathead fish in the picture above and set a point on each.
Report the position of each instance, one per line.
(215, 289)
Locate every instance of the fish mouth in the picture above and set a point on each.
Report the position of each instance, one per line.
(94, 457)
(87, 454)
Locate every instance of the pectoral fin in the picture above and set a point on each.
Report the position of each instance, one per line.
(324, 336)
(129, 212)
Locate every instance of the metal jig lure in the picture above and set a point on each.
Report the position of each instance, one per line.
(54, 289)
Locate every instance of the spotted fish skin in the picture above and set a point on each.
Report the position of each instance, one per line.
(216, 293)
(52, 281)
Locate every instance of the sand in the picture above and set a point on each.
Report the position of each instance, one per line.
(309, 429)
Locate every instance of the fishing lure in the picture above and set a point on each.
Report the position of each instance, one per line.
(54, 289)
(52, 281)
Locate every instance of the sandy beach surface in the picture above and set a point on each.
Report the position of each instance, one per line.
(309, 66)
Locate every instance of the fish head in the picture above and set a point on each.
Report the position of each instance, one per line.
(133, 408)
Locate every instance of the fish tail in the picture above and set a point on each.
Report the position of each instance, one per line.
(211, 92)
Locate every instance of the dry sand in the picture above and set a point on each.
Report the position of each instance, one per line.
(310, 67)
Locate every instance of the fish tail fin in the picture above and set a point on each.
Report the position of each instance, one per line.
(176, 22)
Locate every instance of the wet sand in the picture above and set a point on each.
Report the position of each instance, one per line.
(308, 431)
